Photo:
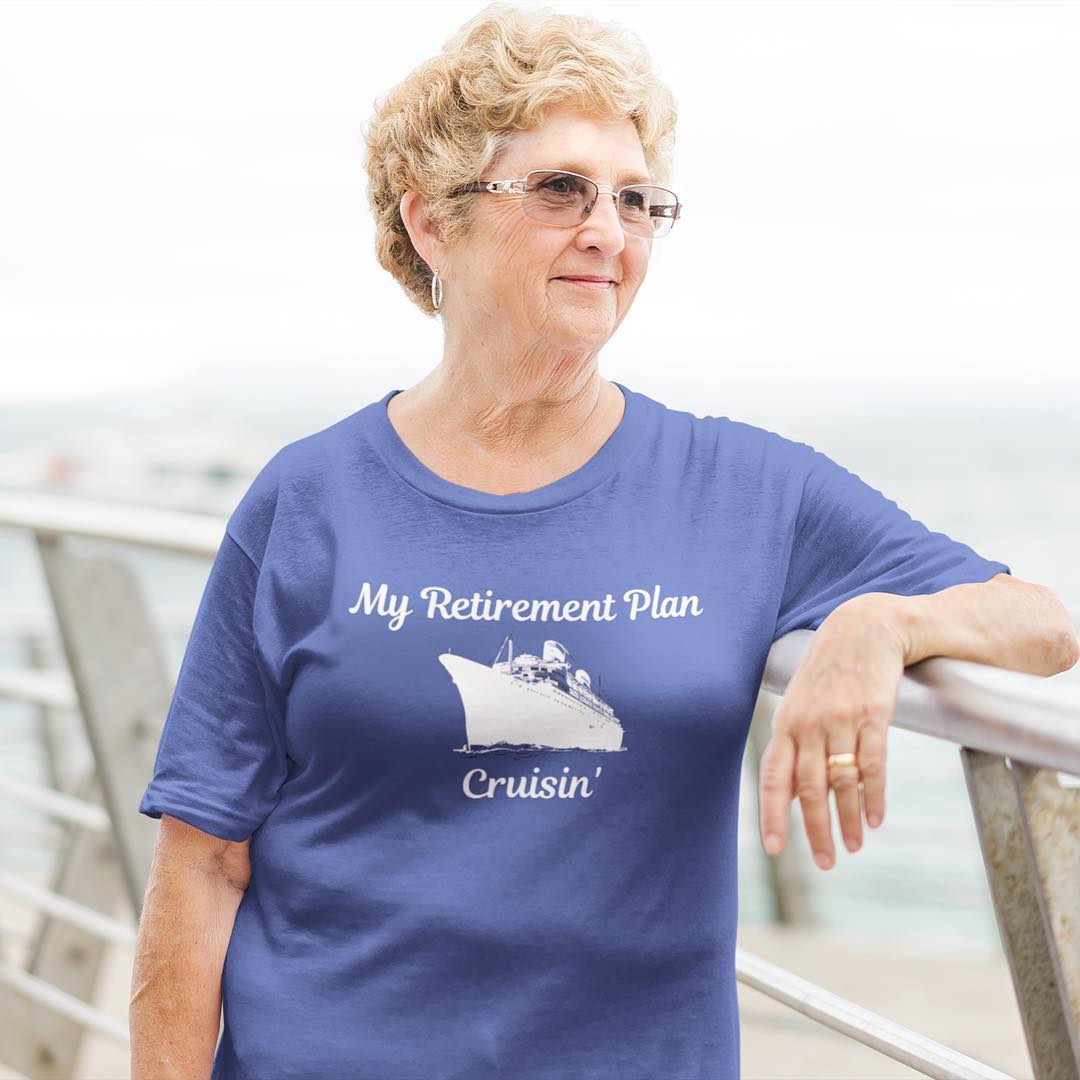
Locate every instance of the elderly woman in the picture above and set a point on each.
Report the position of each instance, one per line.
(449, 784)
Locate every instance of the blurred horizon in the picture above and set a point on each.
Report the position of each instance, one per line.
(879, 201)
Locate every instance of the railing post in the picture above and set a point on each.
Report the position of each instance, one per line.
(122, 687)
(1029, 829)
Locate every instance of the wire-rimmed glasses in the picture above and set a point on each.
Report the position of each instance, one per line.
(557, 197)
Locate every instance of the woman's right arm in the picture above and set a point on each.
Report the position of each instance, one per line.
(195, 885)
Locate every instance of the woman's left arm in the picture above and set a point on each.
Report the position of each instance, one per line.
(1004, 622)
(841, 697)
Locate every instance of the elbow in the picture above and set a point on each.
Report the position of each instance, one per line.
(1067, 645)
(1058, 643)
(1068, 649)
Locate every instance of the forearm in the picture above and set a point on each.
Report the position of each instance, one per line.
(1004, 622)
(175, 1009)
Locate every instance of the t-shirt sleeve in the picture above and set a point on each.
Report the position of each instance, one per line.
(221, 758)
(851, 539)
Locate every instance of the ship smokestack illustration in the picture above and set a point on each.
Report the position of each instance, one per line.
(534, 702)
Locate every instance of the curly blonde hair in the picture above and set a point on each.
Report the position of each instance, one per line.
(454, 115)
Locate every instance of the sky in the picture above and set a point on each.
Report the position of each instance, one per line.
(879, 201)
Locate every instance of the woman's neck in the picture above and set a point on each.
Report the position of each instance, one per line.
(505, 435)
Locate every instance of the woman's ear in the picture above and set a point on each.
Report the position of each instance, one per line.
(424, 236)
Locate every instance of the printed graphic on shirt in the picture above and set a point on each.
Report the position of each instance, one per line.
(530, 702)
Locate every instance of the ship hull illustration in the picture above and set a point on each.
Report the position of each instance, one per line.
(532, 701)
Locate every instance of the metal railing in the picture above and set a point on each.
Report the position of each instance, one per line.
(1017, 734)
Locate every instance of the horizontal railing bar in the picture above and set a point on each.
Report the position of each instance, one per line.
(94, 922)
(69, 911)
(52, 997)
(38, 686)
(37, 620)
(1009, 713)
(895, 1041)
(45, 837)
(56, 803)
(179, 531)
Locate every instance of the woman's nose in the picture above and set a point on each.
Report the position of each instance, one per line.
(605, 217)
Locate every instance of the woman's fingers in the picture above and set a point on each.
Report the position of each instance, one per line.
(845, 787)
(872, 742)
(795, 764)
(776, 790)
(811, 785)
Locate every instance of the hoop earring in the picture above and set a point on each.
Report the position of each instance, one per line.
(436, 300)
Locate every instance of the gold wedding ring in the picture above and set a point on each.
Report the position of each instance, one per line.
(841, 759)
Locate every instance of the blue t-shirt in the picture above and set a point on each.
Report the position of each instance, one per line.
(488, 747)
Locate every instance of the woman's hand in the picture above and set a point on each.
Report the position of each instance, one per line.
(840, 700)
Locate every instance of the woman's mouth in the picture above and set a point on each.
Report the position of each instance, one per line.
(588, 284)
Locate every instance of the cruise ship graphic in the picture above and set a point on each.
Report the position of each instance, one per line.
(532, 702)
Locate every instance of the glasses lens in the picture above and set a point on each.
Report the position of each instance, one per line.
(558, 198)
(646, 210)
(562, 198)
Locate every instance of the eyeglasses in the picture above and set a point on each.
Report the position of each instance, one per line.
(567, 199)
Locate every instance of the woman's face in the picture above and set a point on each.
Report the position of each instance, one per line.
(503, 278)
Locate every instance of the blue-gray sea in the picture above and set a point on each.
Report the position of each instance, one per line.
(1005, 482)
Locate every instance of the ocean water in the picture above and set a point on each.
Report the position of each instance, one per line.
(1006, 484)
